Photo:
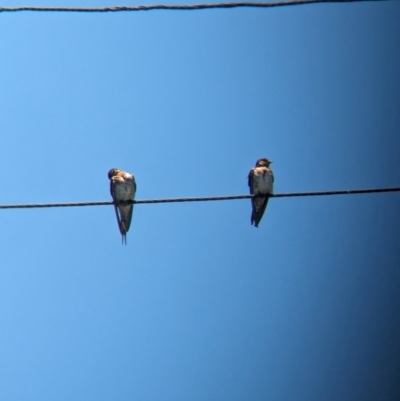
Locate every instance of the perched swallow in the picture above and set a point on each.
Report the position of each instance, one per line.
(123, 189)
(261, 179)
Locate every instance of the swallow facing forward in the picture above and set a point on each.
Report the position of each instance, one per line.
(123, 189)
(261, 179)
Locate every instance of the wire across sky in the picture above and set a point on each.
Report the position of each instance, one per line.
(202, 199)
(186, 7)
(181, 7)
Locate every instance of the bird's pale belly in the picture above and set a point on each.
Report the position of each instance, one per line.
(123, 191)
(263, 184)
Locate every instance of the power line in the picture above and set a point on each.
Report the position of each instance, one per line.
(175, 7)
(202, 199)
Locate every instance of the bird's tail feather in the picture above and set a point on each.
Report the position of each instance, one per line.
(123, 231)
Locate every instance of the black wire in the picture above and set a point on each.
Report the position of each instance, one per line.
(201, 199)
(175, 7)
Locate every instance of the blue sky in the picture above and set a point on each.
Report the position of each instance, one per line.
(200, 305)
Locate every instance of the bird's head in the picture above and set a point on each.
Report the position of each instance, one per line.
(113, 172)
(264, 162)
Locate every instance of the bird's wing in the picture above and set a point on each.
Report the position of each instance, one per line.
(117, 212)
(257, 215)
(250, 180)
(125, 209)
(129, 218)
(112, 188)
(134, 186)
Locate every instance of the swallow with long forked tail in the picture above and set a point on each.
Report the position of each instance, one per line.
(261, 180)
(123, 189)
